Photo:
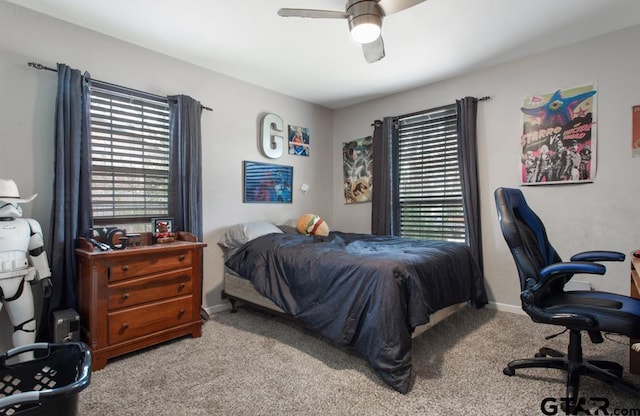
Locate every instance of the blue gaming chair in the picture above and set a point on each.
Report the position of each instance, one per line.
(542, 279)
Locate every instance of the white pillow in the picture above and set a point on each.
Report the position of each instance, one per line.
(239, 234)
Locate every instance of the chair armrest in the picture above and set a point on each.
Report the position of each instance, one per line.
(598, 256)
(548, 276)
(553, 272)
(573, 267)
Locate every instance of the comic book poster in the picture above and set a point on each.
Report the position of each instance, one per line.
(298, 140)
(558, 143)
(357, 167)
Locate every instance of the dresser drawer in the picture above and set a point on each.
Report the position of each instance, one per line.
(148, 265)
(149, 289)
(137, 297)
(138, 321)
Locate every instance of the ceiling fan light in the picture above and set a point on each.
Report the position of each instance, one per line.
(365, 32)
(365, 22)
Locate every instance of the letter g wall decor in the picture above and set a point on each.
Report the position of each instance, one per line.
(272, 145)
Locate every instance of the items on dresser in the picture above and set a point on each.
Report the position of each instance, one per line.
(139, 296)
(112, 238)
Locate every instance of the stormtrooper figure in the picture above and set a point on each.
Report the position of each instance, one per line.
(23, 262)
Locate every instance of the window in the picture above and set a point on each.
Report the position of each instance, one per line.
(130, 156)
(429, 196)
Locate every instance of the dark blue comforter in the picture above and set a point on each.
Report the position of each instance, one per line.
(362, 291)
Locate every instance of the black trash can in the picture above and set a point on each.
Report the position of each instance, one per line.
(49, 384)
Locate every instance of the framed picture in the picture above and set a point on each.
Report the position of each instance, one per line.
(357, 169)
(162, 226)
(267, 183)
(298, 140)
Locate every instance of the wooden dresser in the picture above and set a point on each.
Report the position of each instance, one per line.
(634, 356)
(137, 297)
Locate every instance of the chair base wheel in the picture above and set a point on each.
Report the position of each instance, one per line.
(576, 367)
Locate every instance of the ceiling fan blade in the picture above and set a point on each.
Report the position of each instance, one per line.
(320, 14)
(373, 51)
(394, 6)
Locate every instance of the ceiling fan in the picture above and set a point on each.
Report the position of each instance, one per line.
(364, 18)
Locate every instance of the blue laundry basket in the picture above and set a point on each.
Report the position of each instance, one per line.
(49, 384)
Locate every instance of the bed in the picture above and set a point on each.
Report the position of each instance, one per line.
(369, 293)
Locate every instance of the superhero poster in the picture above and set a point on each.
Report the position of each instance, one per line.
(357, 168)
(298, 141)
(558, 142)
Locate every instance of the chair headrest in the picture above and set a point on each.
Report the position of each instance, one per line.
(513, 213)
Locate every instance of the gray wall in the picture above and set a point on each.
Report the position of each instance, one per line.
(230, 133)
(600, 215)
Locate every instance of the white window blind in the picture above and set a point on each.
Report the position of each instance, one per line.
(429, 189)
(130, 155)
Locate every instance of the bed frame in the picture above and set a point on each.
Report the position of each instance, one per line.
(237, 288)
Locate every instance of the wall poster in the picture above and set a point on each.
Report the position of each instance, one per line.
(558, 142)
(298, 140)
(635, 131)
(357, 167)
(266, 182)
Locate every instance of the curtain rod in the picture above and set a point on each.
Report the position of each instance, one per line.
(442, 107)
(46, 68)
(485, 98)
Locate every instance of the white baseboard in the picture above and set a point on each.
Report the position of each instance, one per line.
(503, 307)
(217, 308)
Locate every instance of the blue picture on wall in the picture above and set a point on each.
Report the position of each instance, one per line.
(267, 183)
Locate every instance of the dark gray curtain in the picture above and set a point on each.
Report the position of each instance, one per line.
(383, 199)
(72, 214)
(467, 157)
(185, 185)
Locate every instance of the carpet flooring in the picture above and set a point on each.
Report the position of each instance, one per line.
(252, 363)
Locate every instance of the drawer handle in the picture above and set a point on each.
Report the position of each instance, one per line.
(125, 326)
(125, 296)
(125, 268)
(181, 312)
(181, 258)
(181, 287)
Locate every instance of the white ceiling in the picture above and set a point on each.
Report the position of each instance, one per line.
(315, 59)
